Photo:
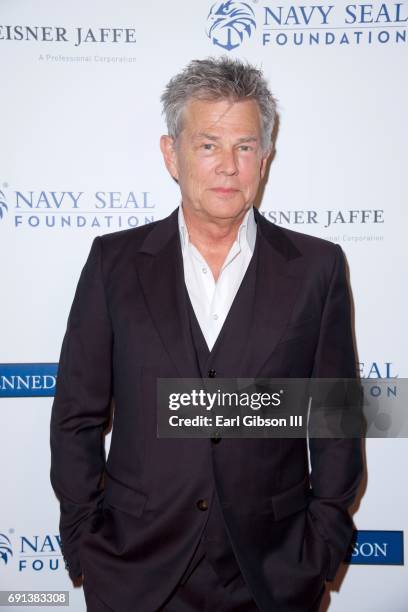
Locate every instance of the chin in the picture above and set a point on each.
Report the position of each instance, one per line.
(225, 210)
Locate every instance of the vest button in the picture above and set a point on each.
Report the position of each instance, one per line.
(202, 504)
(216, 437)
(212, 373)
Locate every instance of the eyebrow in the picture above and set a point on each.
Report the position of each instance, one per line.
(216, 138)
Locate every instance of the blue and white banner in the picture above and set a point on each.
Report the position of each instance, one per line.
(377, 548)
(28, 379)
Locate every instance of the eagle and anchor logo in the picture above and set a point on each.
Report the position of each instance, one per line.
(3, 204)
(6, 550)
(229, 23)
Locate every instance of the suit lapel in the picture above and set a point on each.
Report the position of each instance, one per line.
(276, 292)
(161, 277)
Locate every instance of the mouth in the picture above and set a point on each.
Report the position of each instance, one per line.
(224, 191)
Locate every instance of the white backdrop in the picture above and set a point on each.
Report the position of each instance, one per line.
(80, 127)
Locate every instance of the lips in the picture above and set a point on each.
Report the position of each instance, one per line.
(224, 190)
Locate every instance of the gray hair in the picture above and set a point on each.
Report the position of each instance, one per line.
(217, 79)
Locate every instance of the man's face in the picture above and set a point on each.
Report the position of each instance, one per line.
(217, 159)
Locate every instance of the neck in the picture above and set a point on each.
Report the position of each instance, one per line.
(213, 238)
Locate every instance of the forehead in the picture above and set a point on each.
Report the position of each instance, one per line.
(221, 115)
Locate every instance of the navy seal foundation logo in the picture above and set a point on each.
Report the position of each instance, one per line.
(231, 24)
(228, 23)
(3, 204)
(5, 548)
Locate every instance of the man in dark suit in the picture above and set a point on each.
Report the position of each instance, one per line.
(214, 290)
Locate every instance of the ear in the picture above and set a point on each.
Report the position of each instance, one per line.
(264, 162)
(167, 146)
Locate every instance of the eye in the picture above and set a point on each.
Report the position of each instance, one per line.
(208, 146)
(245, 148)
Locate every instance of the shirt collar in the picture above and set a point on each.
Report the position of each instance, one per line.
(247, 230)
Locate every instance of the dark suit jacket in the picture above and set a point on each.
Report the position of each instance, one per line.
(132, 523)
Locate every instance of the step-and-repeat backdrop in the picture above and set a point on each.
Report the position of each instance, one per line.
(80, 126)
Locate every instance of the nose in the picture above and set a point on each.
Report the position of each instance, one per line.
(227, 164)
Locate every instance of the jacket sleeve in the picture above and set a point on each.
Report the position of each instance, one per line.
(81, 410)
(336, 463)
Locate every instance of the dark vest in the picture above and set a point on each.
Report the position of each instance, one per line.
(215, 542)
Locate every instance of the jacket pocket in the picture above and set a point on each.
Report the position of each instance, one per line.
(124, 498)
(290, 501)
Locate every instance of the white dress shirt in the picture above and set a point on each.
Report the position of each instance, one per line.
(212, 300)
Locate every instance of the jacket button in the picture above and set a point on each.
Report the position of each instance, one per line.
(202, 504)
(212, 373)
